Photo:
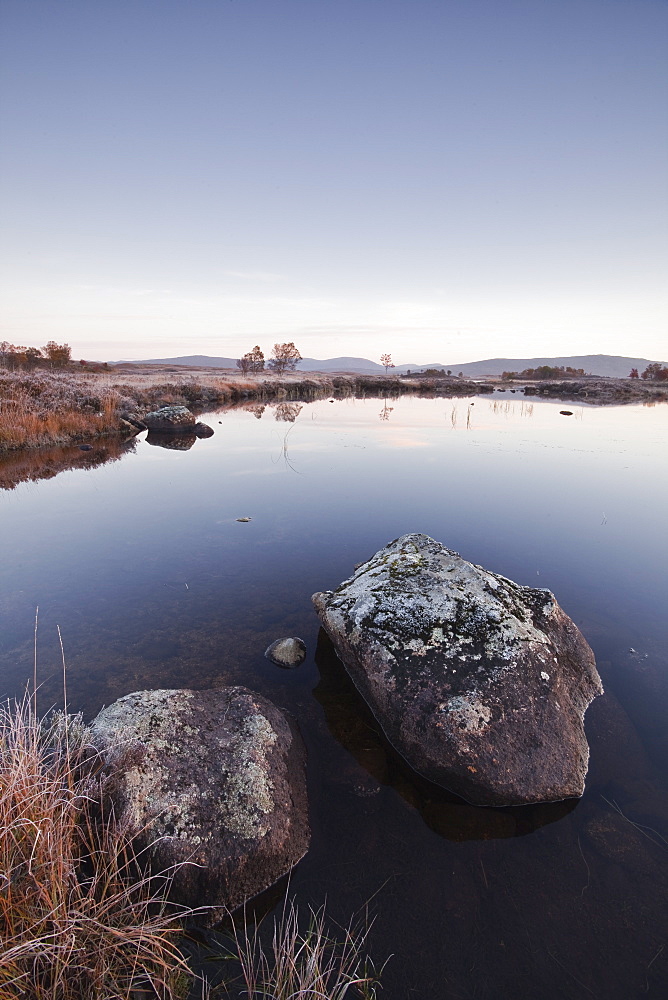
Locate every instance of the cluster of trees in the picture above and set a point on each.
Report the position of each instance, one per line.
(547, 371)
(654, 371)
(284, 358)
(52, 355)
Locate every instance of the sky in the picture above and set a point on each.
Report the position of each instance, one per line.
(442, 180)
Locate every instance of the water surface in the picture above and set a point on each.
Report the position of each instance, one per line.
(154, 583)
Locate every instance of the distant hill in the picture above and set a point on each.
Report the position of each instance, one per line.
(593, 364)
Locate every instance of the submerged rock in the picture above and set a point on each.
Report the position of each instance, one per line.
(289, 652)
(212, 782)
(171, 418)
(481, 684)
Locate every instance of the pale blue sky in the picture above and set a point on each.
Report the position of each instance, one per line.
(446, 180)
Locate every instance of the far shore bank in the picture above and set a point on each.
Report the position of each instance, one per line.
(69, 407)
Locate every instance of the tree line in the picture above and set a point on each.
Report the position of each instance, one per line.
(284, 358)
(52, 355)
(547, 371)
(654, 372)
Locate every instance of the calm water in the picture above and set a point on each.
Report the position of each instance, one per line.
(154, 583)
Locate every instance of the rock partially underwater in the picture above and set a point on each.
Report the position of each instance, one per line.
(481, 684)
(212, 782)
(174, 420)
(289, 652)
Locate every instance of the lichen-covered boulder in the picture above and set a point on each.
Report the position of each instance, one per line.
(481, 684)
(171, 418)
(212, 782)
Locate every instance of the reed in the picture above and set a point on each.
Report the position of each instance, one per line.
(80, 916)
(304, 965)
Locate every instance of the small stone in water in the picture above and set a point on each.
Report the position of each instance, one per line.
(288, 652)
(244, 519)
(566, 413)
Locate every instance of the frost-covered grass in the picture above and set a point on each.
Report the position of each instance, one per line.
(70, 405)
(44, 409)
(304, 964)
(80, 917)
(52, 408)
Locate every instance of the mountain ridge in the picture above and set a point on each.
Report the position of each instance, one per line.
(610, 365)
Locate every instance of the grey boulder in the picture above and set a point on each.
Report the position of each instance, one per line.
(480, 683)
(171, 418)
(212, 784)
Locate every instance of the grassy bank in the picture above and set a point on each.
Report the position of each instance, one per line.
(70, 406)
(81, 916)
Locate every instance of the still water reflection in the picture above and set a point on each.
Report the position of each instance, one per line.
(155, 583)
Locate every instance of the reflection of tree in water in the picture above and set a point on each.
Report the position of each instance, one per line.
(287, 412)
(257, 409)
(385, 412)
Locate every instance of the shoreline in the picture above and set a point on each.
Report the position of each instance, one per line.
(41, 409)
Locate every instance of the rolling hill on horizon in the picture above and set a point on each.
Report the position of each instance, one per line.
(612, 366)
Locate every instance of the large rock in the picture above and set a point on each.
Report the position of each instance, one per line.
(479, 683)
(212, 782)
(172, 419)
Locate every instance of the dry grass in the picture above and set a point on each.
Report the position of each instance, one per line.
(79, 915)
(308, 965)
(23, 424)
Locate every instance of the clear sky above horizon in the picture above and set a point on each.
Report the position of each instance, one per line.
(445, 180)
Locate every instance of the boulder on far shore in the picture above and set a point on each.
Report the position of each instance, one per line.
(480, 683)
(211, 782)
(172, 419)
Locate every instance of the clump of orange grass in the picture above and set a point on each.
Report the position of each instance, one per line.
(80, 916)
(26, 423)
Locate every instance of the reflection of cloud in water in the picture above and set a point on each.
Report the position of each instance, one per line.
(404, 440)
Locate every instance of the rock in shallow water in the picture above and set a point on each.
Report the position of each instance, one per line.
(213, 778)
(171, 418)
(289, 652)
(479, 683)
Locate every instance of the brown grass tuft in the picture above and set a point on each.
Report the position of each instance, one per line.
(80, 917)
(308, 965)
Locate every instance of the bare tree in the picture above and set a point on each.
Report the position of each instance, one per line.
(386, 362)
(284, 358)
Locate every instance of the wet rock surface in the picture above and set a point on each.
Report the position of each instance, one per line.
(481, 684)
(212, 782)
(289, 652)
